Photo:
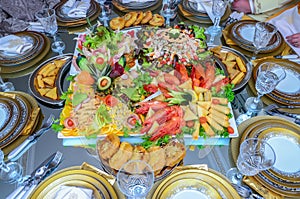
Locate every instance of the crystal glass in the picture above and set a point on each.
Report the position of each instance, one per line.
(168, 12)
(255, 155)
(103, 17)
(268, 76)
(218, 10)
(11, 172)
(47, 18)
(135, 179)
(262, 35)
(6, 86)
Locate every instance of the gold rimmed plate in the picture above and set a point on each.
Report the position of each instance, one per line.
(124, 8)
(242, 33)
(214, 179)
(136, 5)
(5, 115)
(64, 20)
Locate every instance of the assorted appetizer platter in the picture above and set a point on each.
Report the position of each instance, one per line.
(155, 83)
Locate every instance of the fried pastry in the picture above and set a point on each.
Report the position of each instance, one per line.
(117, 23)
(175, 152)
(130, 18)
(157, 159)
(122, 156)
(108, 146)
(147, 17)
(139, 18)
(157, 20)
(139, 153)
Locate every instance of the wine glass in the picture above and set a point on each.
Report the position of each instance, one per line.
(103, 17)
(255, 155)
(269, 75)
(168, 12)
(6, 86)
(135, 179)
(11, 172)
(218, 10)
(262, 35)
(47, 18)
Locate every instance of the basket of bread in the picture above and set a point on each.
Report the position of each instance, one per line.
(163, 157)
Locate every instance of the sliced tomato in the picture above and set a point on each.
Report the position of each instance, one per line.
(202, 120)
(216, 101)
(99, 60)
(230, 130)
(110, 100)
(190, 123)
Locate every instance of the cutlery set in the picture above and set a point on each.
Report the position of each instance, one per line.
(273, 109)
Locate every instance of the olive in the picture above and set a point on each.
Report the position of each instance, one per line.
(140, 61)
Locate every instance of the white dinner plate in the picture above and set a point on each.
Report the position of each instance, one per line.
(290, 84)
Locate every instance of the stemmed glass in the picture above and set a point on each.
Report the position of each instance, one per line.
(168, 12)
(6, 86)
(218, 10)
(11, 172)
(135, 179)
(255, 155)
(47, 18)
(103, 17)
(269, 75)
(262, 35)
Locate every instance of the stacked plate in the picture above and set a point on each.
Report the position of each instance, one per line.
(195, 183)
(284, 177)
(75, 177)
(287, 92)
(128, 6)
(64, 20)
(15, 65)
(20, 116)
(242, 33)
(191, 11)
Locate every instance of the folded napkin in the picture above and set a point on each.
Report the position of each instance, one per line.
(288, 23)
(205, 5)
(76, 8)
(71, 192)
(14, 44)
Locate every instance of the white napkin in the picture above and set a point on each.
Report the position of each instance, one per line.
(205, 5)
(288, 23)
(71, 192)
(14, 44)
(77, 8)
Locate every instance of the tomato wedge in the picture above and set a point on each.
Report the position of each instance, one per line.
(110, 100)
(230, 130)
(202, 120)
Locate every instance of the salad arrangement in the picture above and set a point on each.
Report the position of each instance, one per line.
(119, 71)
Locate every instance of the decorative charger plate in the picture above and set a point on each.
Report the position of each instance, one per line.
(242, 32)
(75, 173)
(64, 20)
(143, 7)
(57, 77)
(5, 115)
(213, 181)
(286, 186)
(137, 4)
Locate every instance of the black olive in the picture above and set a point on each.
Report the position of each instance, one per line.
(140, 61)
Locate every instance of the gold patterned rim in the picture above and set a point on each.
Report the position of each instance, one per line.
(250, 54)
(28, 67)
(292, 135)
(206, 20)
(50, 188)
(211, 177)
(247, 45)
(285, 64)
(195, 185)
(246, 128)
(76, 170)
(124, 9)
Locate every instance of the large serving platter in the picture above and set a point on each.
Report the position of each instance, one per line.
(283, 178)
(64, 20)
(287, 92)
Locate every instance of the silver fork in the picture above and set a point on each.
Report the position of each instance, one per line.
(246, 192)
(275, 107)
(42, 173)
